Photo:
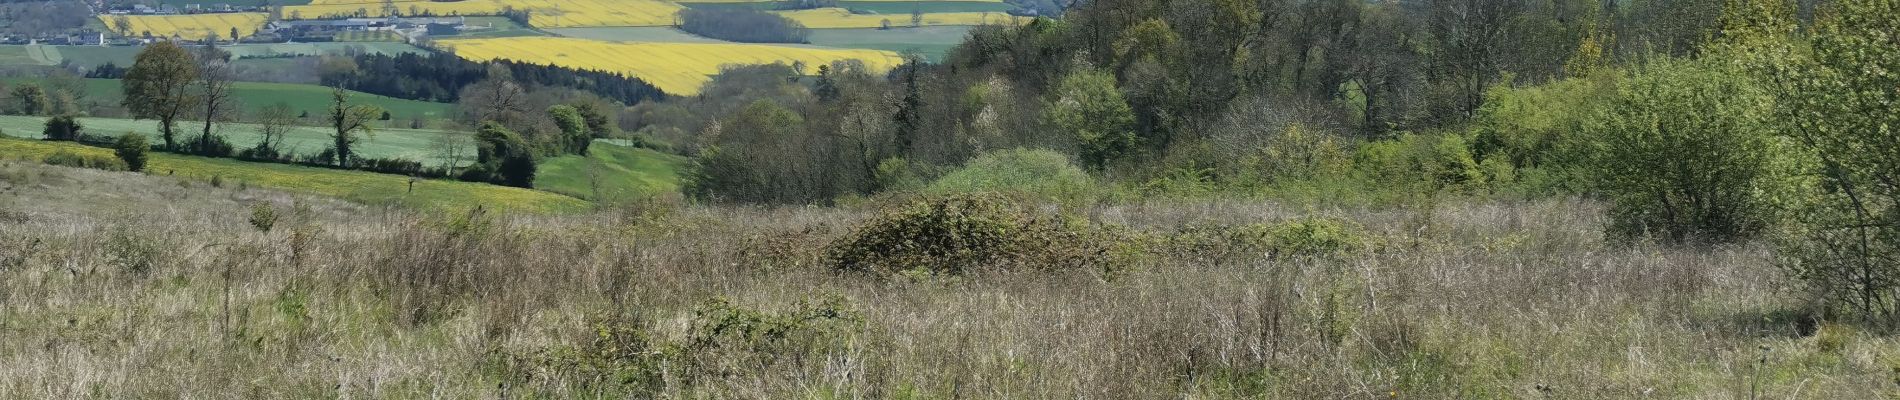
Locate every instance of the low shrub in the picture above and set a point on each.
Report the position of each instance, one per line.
(70, 159)
(64, 128)
(962, 234)
(211, 146)
(132, 148)
(1043, 173)
(724, 341)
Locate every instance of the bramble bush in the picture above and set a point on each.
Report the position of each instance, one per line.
(70, 159)
(969, 233)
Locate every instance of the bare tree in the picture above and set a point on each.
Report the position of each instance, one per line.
(214, 90)
(274, 121)
(455, 150)
(497, 98)
(347, 120)
(123, 25)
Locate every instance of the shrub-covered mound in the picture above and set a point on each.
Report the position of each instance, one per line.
(1042, 173)
(969, 233)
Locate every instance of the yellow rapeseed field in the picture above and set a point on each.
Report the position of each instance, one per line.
(330, 8)
(542, 13)
(191, 27)
(677, 68)
(585, 13)
(841, 18)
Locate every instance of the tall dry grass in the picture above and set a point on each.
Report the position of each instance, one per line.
(119, 285)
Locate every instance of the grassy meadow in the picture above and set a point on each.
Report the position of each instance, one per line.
(410, 144)
(612, 174)
(253, 96)
(93, 56)
(1464, 299)
(932, 42)
(356, 186)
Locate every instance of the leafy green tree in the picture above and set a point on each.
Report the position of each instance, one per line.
(575, 136)
(159, 86)
(1839, 103)
(506, 153)
(132, 148)
(1086, 106)
(63, 127)
(753, 157)
(595, 115)
(347, 120)
(1686, 151)
(30, 99)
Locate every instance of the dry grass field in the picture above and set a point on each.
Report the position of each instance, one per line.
(123, 285)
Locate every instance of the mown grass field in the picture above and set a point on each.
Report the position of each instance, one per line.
(624, 173)
(92, 56)
(495, 27)
(650, 34)
(822, 18)
(932, 42)
(368, 36)
(409, 144)
(253, 96)
(357, 186)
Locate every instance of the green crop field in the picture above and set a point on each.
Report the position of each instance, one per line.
(932, 42)
(91, 56)
(252, 96)
(368, 36)
(18, 55)
(652, 34)
(492, 27)
(317, 49)
(623, 172)
(358, 186)
(409, 144)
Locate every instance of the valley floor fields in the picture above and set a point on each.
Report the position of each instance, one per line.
(357, 186)
(253, 96)
(408, 144)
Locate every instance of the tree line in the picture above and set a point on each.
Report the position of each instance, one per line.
(742, 25)
(440, 76)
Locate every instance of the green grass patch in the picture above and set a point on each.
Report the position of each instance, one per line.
(932, 41)
(659, 34)
(409, 144)
(358, 186)
(317, 49)
(16, 55)
(624, 173)
(253, 96)
(494, 27)
(93, 56)
(368, 36)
